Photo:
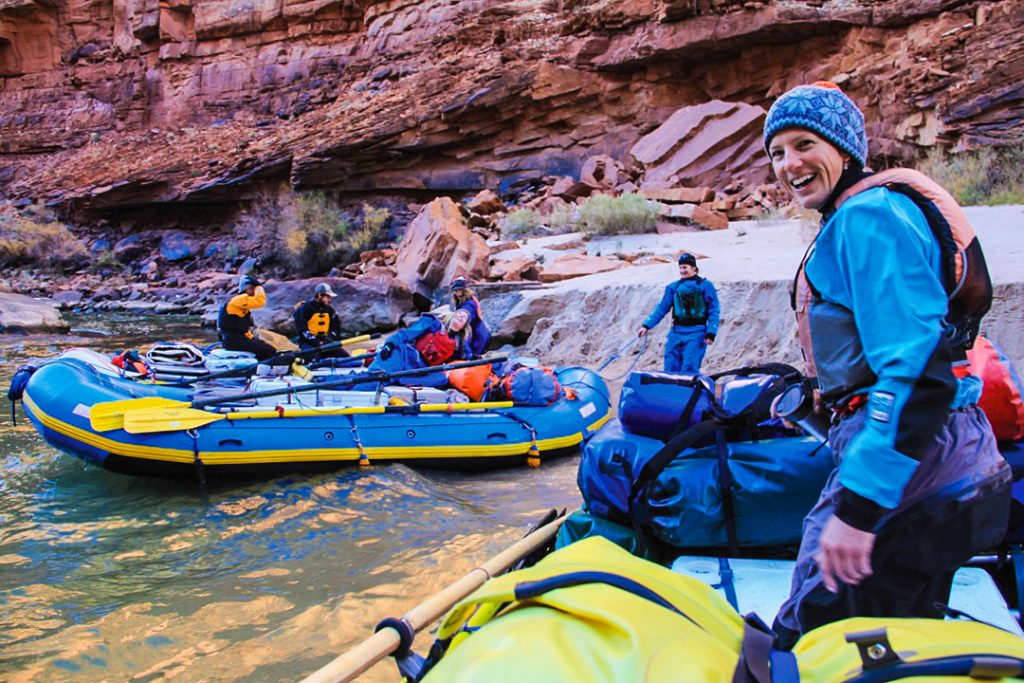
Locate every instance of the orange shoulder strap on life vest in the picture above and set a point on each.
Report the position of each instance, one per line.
(965, 272)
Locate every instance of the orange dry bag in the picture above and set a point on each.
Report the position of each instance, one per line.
(1001, 398)
(473, 382)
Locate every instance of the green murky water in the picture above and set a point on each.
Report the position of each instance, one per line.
(105, 577)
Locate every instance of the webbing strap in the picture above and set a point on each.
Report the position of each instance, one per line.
(728, 582)
(534, 589)
(754, 664)
(1017, 553)
(725, 489)
(684, 417)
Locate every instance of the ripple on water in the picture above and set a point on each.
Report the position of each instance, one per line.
(107, 577)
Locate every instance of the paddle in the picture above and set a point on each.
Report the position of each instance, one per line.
(104, 417)
(150, 420)
(111, 414)
(388, 639)
(246, 369)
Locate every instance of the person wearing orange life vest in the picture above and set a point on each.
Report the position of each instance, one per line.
(919, 485)
(235, 325)
(317, 323)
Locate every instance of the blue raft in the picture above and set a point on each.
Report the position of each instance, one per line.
(295, 435)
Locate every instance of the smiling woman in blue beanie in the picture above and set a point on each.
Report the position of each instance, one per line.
(919, 485)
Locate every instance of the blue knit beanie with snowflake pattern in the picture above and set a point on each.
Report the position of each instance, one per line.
(824, 109)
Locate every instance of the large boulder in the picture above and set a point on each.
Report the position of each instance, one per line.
(438, 246)
(20, 313)
(704, 144)
(367, 305)
(175, 246)
(578, 265)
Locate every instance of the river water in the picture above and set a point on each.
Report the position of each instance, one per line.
(105, 577)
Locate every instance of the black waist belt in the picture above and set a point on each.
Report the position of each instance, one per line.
(689, 322)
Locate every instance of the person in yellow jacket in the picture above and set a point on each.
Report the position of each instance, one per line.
(317, 323)
(235, 326)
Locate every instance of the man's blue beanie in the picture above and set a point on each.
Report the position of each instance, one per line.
(824, 109)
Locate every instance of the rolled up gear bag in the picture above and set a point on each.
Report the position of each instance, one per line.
(1001, 398)
(660, 404)
(529, 386)
(589, 612)
(878, 649)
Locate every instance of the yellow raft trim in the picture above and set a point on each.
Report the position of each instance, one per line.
(352, 454)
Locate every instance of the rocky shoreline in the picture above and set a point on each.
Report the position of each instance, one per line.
(585, 319)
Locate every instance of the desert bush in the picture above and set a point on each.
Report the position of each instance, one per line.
(375, 220)
(25, 241)
(628, 213)
(306, 235)
(314, 234)
(987, 176)
(520, 222)
(564, 218)
(105, 261)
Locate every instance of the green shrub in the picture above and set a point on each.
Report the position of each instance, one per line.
(520, 222)
(105, 261)
(564, 218)
(986, 176)
(25, 241)
(374, 224)
(628, 213)
(314, 235)
(375, 219)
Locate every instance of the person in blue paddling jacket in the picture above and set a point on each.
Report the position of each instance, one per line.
(693, 302)
(235, 326)
(317, 323)
(477, 334)
(919, 486)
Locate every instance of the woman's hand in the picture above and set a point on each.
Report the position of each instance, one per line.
(844, 554)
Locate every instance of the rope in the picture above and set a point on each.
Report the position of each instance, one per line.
(639, 354)
(364, 459)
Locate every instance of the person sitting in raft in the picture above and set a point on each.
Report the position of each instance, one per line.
(478, 335)
(317, 323)
(235, 326)
(401, 351)
(920, 486)
(456, 325)
(694, 305)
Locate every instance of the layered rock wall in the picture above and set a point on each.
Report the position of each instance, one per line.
(110, 106)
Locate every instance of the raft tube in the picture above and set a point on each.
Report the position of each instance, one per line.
(59, 395)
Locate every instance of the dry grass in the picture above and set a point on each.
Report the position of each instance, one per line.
(29, 241)
(628, 213)
(987, 176)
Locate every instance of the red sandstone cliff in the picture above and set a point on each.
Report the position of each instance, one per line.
(152, 108)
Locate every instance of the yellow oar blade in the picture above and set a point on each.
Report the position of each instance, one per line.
(150, 420)
(109, 415)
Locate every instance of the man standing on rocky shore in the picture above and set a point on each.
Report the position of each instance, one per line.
(694, 305)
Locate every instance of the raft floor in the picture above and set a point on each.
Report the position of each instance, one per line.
(762, 586)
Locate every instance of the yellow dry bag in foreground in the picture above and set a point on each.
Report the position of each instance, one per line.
(590, 612)
(593, 613)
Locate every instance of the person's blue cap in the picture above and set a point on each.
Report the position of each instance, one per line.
(688, 258)
(459, 283)
(824, 109)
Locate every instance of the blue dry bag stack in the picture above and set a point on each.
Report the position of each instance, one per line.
(698, 463)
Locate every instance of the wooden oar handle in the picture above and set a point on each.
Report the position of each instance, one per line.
(382, 643)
